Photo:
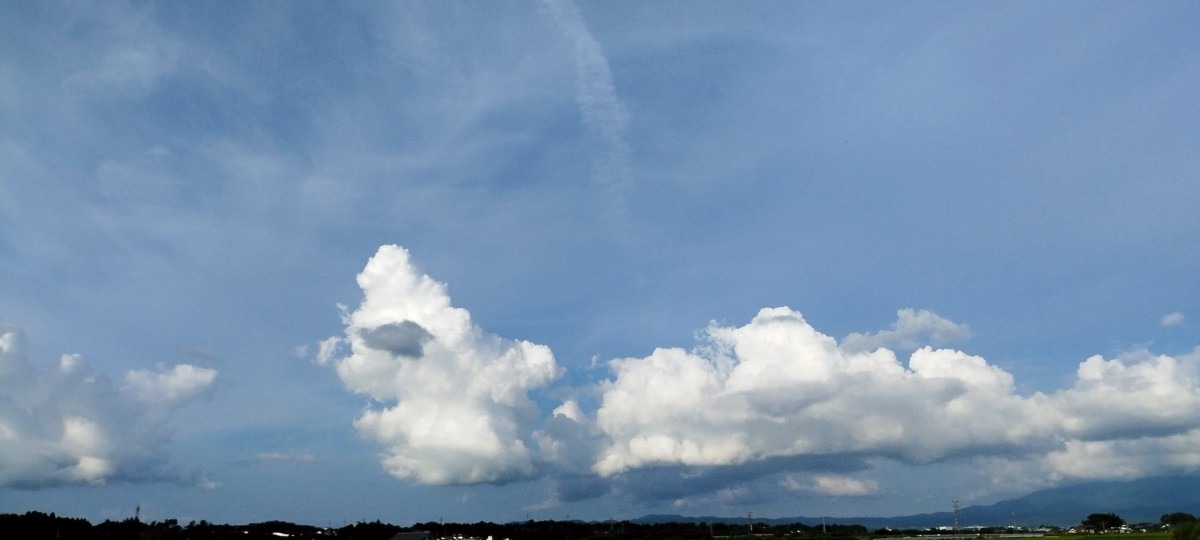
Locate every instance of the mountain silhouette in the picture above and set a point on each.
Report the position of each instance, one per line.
(1136, 501)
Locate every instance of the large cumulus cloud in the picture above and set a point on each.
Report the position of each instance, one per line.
(777, 387)
(69, 425)
(773, 399)
(451, 401)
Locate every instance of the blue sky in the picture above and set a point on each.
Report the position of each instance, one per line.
(414, 261)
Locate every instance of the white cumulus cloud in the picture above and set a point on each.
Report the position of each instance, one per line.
(912, 329)
(168, 388)
(777, 388)
(451, 402)
(1135, 395)
(69, 425)
(1174, 318)
(773, 398)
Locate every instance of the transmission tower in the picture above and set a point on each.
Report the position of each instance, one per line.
(956, 515)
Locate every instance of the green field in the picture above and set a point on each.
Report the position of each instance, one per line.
(1156, 535)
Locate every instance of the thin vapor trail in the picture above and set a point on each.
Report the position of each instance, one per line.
(603, 113)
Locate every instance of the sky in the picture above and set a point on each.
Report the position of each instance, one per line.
(410, 261)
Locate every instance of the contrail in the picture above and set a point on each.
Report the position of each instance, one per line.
(604, 116)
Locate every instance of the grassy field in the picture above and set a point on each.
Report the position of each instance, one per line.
(1156, 535)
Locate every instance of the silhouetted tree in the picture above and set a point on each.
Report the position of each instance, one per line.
(1187, 530)
(1176, 518)
(127, 529)
(1102, 522)
(368, 531)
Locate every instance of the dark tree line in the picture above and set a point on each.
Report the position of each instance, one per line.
(37, 525)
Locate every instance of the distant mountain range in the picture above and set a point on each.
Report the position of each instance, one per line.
(1136, 501)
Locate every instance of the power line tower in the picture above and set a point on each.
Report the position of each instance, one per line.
(956, 516)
